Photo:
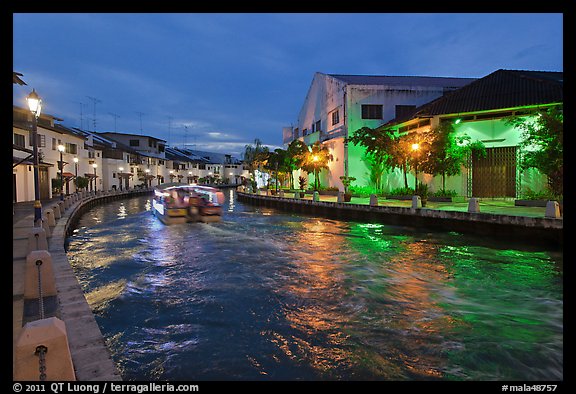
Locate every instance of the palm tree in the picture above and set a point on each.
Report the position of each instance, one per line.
(255, 156)
(295, 152)
(315, 159)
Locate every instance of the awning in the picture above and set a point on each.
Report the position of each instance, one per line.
(88, 175)
(68, 175)
(124, 174)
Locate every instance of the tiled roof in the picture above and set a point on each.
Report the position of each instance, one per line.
(446, 82)
(498, 90)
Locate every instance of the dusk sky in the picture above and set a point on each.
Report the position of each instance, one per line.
(218, 81)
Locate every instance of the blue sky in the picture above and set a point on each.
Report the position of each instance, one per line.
(218, 81)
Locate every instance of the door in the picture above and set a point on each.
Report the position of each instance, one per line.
(495, 174)
(44, 181)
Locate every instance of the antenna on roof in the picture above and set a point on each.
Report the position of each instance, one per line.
(81, 116)
(140, 114)
(115, 117)
(95, 101)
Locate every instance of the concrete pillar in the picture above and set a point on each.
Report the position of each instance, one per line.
(316, 196)
(416, 202)
(552, 210)
(373, 200)
(340, 197)
(62, 207)
(57, 212)
(37, 239)
(473, 205)
(50, 217)
(281, 193)
(50, 333)
(46, 272)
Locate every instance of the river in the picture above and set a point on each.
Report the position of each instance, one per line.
(269, 295)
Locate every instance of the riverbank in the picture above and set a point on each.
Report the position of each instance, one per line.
(496, 218)
(90, 356)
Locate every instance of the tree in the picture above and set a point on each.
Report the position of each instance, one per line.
(278, 162)
(448, 152)
(542, 144)
(255, 156)
(378, 145)
(295, 153)
(315, 159)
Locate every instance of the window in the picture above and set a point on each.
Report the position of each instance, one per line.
(304, 132)
(40, 140)
(371, 111)
(71, 148)
(403, 111)
(134, 142)
(19, 140)
(318, 125)
(54, 144)
(335, 117)
(201, 166)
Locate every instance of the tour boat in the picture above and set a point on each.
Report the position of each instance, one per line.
(181, 203)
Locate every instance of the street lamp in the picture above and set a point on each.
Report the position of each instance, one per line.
(76, 171)
(415, 149)
(95, 188)
(35, 106)
(61, 149)
(147, 177)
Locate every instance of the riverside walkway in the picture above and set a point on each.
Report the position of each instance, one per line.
(90, 357)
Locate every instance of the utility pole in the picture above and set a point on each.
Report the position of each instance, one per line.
(94, 101)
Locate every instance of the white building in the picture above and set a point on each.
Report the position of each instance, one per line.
(338, 105)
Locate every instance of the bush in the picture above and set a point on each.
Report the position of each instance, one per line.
(401, 191)
(364, 191)
(545, 194)
(445, 193)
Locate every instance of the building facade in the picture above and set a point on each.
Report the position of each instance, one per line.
(338, 105)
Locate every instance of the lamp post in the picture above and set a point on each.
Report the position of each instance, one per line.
(95, 188)
(415, 149)
(35, 106)
(120, 177)
(147, 177)
(76, 172)
(61, 149)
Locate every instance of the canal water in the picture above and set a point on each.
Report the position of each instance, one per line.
(267, 295)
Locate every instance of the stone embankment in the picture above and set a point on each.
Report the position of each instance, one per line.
(55, 334)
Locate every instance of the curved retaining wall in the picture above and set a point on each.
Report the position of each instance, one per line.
(515, 228)
(90, 355)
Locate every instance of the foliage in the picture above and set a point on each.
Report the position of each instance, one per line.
(421, 190)
(529, 194)
(315, 159)
(302, 180)
(277, 163)
(56, 184)
(445, 193)
(401, 191)
(347, 181)
(363, 191)
(81, 182)
(542, 144)
(447, 153)
(255, 156)
(295, 152)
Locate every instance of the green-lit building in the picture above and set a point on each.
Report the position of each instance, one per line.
(479, 110)
(337, 105)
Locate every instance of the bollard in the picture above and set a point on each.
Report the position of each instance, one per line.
(552, 210)
(373, 200)
(50, 217)
(473, 205)
(416, 202)
(51, 336)
(62, 207)
(57, 212)
(66, 203)
(37, 239)
(316, 196)
(45, 226)
(340, 197)
(39, 260)
(281, 193)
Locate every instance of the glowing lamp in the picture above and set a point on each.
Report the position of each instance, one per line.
(34, 103)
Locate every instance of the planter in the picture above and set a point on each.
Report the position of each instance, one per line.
(302, 194)
(347, 197)
(530, 203)
(400, 197)
(440, 199)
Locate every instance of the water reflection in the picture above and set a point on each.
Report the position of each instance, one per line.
(264, 295)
